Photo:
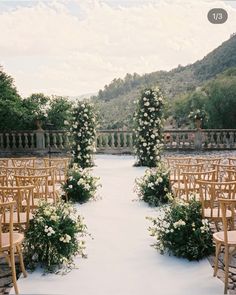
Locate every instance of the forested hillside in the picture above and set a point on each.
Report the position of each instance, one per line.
(115, 101)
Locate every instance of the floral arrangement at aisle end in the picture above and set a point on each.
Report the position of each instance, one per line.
(53, 237)
(180, 230)
(84, 134)
(154, 187)
(80, 185)
(148, 126)
(197, 115)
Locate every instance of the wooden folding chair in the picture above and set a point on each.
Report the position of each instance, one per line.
(11, 242)
(210, 193)
(190, 185)
(226, 238)
(22, 196)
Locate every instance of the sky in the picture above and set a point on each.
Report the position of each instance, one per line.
(75, 47)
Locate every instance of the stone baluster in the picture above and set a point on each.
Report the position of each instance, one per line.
(112, 140)
(67, 142)
(118, 139)
(225, 140)
(125, 140)
(212, 140)
(7, 141)
(231, 139)
(218, 141)
(26, 140)
(47, 140)
(13, 140)
(106, 137)
(20, 146)
(178, 140)
(60, 141)
(54, 140)
(32, 145)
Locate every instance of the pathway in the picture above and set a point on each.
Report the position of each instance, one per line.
(120, 259)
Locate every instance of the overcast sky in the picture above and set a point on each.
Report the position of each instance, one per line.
(75, 47)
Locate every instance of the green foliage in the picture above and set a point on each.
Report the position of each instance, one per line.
(52, 238)
(36, 106)
(80, 186)
(221, 102)
(180, 230)
(154, 187)
(115, 100)
(11, 108)
(60, 110)
(84, 134)
(148, 127)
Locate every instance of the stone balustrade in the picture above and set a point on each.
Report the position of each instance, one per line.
(114, 141)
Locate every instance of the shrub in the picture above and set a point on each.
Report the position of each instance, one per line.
(180, 230)
(154, 186)
(52, 239)
(80, 185)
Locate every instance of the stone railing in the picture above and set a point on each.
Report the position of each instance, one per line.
(114, 141)
(34, 141)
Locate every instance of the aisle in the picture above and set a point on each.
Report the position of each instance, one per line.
(120, 259)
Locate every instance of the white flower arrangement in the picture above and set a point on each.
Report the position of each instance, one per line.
(80, 186)
(54, 237)
(148, 131)
(180, 230)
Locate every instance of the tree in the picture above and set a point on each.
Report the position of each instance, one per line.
(11, 108)
(221, 104)
(60, 110)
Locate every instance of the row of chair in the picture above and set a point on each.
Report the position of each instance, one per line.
(23, 183)
(212, 181)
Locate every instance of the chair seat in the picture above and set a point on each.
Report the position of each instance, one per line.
(219, 236)
(17, 239)
(21, 218)
(216, 213)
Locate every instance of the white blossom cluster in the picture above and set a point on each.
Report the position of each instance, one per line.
(149, 124)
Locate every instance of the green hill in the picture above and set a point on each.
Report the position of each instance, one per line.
(115, 101)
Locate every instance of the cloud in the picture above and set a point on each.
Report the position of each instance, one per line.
(75, 47)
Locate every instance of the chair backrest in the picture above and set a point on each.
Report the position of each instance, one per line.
(172, 161)
(60, 168)
(190, 180)
(228, 224)
(10, 172)
(40, 183)
(23, 162)
(232, 161)
(211, 192)
(208, 163)
(6, 208)
(221, 169)
(4, 162)
(22, 197)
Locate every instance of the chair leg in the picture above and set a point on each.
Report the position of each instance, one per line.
(226, 269)
(218, 246)
(13, 270)
(22, 266)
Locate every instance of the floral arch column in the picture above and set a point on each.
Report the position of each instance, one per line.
(148, 127)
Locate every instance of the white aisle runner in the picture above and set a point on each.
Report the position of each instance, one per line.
(120, 259)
